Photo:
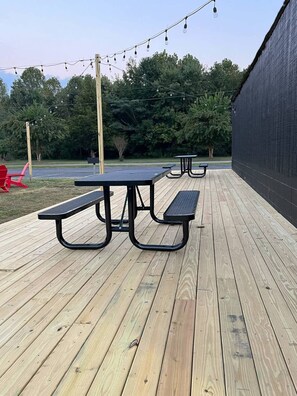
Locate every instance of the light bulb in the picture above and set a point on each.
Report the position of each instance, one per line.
(186, 25)
(215, 10)
(148, 45)
(166, 38)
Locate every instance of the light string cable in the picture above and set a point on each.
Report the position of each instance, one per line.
(58, 106)
(43, 66)
(113, 56)
(164, 31)
(89, 65)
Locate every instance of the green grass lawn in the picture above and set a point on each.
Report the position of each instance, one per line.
(40, 194)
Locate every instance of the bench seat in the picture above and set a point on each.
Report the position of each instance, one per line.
(203, 165)
(72, 207)
(183, 207)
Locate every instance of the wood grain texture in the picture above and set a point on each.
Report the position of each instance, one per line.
(240, 374)
(208, 374)
(217, 317)
(176, 372)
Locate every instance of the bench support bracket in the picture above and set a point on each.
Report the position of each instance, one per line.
(166, 248)
(87, 246)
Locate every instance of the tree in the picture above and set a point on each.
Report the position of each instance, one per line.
(120, 143)
(50, 90)
(150, 108)
(4, 114)
(224, 76)
(150, 97)
(28, 88)
(82, 119)
(209, 122)
(3, 92)
(46, 131)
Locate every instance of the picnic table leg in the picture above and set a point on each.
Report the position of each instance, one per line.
(131, 215)
(190, 164)
(177, 175)
(197, 175)
(152, 209)
(120, 221)
(86, 246)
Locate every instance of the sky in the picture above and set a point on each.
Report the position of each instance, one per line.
(40, 32)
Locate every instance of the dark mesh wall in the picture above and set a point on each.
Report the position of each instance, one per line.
(265, 119)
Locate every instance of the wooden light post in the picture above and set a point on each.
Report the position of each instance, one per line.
(29, 148)
(99, 114)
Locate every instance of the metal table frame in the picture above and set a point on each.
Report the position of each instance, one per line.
(186, 166)
(132, 179)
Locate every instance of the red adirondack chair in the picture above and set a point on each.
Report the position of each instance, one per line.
(3, 179)
(18, 182)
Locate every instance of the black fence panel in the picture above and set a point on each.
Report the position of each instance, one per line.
(264, 146)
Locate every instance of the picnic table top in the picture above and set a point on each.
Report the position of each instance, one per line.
(130, 177)
(186, 156)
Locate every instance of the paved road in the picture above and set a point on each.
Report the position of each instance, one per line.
(78, 172)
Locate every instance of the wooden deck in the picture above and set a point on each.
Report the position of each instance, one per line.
(216, 318)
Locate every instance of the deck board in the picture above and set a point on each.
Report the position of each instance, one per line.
(217, 317)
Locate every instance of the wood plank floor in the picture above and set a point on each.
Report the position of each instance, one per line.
(218, 317)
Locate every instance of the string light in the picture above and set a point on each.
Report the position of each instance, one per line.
(15, 70)
(215, 10)
(147, 41)
(166, 37)
(115, 58)
(135, 47)
(185, 25)
(41, 68)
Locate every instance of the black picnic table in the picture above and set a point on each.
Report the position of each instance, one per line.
(186, 166)
(132, 179)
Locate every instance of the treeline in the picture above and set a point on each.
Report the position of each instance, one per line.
(161, 107)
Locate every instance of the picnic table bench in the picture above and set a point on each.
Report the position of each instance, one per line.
(70, 208)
